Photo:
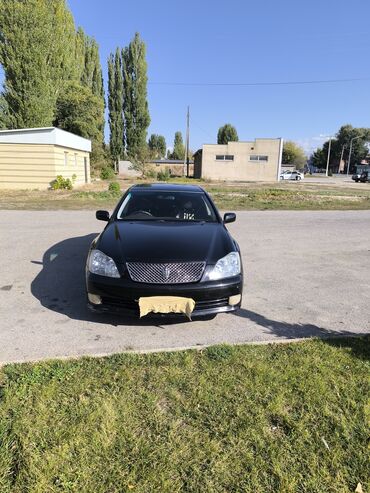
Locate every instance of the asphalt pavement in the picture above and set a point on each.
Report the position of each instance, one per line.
(306, 274)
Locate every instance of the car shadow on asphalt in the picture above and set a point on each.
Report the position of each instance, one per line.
(357, 344)
(289, 330)
(60, 285)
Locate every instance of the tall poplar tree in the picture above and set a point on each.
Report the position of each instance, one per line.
(92, 78)
(37, 52)
(92, 75)
(115, 105)
(178, 147)
(135, 103)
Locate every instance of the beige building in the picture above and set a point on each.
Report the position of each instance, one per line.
(259, 160)
(32, 157)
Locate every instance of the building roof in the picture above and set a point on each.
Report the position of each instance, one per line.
(170, 161)
(167, 187)
(45, 135)
(244, 141)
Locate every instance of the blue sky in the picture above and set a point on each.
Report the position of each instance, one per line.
(242, 41)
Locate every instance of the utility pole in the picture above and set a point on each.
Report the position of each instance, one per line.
(350, 151)
(187, 144)
(349, 157)
(327, 162)
(341, 159)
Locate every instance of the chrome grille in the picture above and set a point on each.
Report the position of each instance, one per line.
(166, 273)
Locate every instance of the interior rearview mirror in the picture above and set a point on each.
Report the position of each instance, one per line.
(229, 217)
(102, 215)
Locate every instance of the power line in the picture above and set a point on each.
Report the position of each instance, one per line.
(246, 84)
(200, 128)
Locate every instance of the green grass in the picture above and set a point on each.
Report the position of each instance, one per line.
(251, 196)
(290, 199)
(278, 418)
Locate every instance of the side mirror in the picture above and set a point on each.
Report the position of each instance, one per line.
(229, 217)
(102, 215)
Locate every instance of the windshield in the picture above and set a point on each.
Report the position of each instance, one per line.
(166, 206)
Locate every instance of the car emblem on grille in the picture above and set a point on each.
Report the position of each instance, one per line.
(165, 273)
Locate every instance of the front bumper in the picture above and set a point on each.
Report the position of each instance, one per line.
(122, 295)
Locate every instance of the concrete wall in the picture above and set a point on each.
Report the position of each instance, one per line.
(242, 167)
(174, 169)
(125, 170)
(30, 166)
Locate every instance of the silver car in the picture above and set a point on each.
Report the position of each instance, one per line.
(292, 175)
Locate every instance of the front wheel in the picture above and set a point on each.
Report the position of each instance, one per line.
(298, 178)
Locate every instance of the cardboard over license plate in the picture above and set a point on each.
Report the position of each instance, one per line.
(166, 304)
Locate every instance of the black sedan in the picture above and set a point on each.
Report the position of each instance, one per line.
(164, 240)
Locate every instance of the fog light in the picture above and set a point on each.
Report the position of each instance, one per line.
(234, 300)
(94, 298)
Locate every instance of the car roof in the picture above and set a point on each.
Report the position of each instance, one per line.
(167, 187)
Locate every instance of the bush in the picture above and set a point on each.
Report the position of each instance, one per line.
(61, 183)
(151, 173)
(163, 175)
(106, 173)
(114, 187)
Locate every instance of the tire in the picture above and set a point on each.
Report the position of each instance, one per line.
(297, 178)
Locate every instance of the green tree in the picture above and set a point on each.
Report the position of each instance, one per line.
(3, 112)
(115, 105)
(359, 150)
(91, 76)
(80, 47)
(341, 142)
(157, 145)
(319, 158)
(38, 54)
(227, 134)
(135, 103)
(178, 147)
(293, 154)
(79, 111)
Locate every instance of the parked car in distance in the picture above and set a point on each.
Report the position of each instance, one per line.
(292, 175)
(356, 177)
(365, 176)
(164, 240)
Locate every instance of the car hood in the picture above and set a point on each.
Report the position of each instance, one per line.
(146, 241)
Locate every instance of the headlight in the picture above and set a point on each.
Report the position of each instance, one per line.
(226, 267)
(101, 264)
